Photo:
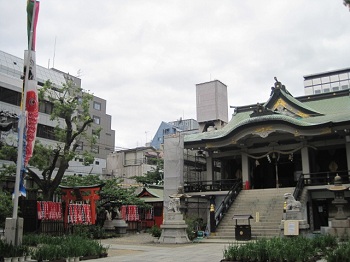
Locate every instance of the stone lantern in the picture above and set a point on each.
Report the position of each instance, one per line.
(339, 201)
(340, 225)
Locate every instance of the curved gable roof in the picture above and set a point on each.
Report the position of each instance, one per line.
(303, 113)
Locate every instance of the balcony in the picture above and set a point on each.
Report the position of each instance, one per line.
(211, 185)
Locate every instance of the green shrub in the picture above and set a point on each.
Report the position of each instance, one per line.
(6, 207)
(155, 231)
(341, 253)
(288, 249)
(194, 225)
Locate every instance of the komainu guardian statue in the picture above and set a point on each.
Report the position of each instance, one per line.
(292, 204)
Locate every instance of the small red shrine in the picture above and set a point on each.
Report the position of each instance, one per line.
(80, 203)
(153, 195)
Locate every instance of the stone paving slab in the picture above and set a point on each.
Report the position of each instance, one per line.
(141, 248)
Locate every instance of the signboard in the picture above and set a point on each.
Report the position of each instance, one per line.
(291, 228)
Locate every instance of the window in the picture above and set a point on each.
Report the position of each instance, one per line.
(334, 78)
(344, 87)
(95, 149)
(343, 76)
(44, 131)
(325, 79)
(10, 96)
(307, 82)
(318, 91)
(97, 120)
(97, 163)
(336, 88)
(45, 107)
(97, 106)
(80, 146)
(316, 81)
(96, 134)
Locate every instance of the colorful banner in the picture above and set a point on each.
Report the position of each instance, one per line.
(30, 100)
(32, 19)
(30, 83)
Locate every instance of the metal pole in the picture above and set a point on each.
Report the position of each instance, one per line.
(22, 121)
(277, 182)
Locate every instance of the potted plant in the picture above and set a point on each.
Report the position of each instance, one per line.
(8, 251)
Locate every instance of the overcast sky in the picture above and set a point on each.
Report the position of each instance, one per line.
(146, 56)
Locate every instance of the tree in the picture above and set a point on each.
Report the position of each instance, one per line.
(153, 177)
(347, 3)
(70, 110)
(5, 207)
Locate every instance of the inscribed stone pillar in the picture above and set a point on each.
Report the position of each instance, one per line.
(173, 166)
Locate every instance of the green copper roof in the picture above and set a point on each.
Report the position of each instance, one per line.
(328, 109)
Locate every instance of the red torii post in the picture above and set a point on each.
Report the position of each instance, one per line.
(81, 193)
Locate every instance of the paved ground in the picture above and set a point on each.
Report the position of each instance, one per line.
(141, 247)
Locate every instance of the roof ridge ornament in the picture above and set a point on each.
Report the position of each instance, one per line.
(278, 86)
(261, 110)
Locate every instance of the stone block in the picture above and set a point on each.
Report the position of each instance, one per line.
(293, 215)
(14, 230)
(341, 223)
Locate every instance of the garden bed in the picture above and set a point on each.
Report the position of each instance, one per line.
(288, 250)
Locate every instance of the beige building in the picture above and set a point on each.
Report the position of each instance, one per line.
(131, 162)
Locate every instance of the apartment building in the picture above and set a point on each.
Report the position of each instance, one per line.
(11, 72)
(326, 82)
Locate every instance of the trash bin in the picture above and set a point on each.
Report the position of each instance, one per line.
(243, 229)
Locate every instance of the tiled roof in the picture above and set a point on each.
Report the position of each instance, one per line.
(334, 109)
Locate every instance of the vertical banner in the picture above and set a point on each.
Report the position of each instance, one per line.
(32, 20)
(31, 108)
(30, 83)
(30, 100)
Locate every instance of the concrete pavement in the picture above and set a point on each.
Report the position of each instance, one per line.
(141, 248)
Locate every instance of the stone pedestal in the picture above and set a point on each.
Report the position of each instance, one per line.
(339, 228)
(174, 229)
(340, 225)
(294, 224)
(117, 225)
(14, 230)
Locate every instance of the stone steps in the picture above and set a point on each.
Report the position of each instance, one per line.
(267, 202)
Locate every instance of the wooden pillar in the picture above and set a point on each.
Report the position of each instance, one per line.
(347, 146)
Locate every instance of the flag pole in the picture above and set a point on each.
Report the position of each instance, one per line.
(22, 120)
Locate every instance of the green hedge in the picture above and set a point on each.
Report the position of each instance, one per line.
(59, 247)
(284, 249)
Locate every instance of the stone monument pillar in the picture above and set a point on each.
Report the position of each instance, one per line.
(174, 227)
(293, 223)
(340, 225)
